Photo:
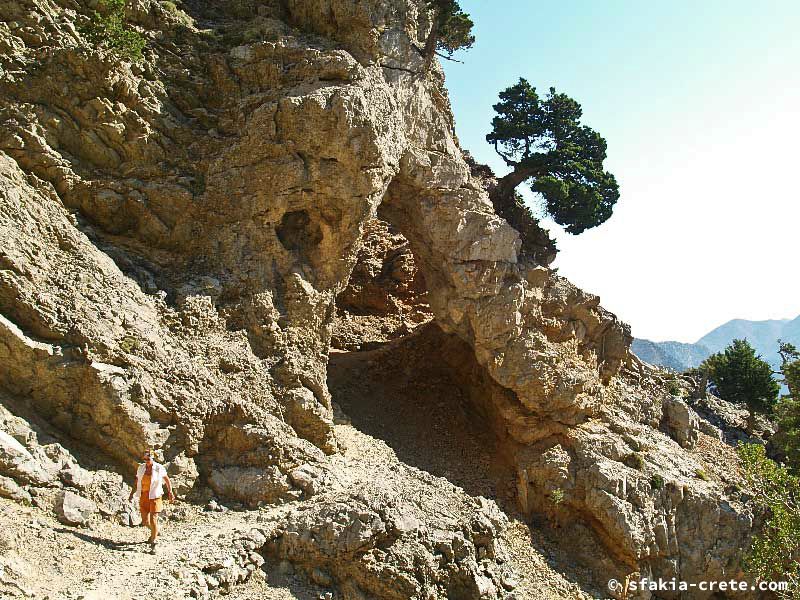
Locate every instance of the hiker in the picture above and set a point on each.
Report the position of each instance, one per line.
(148, 488)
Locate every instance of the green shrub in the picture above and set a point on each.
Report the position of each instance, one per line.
(738, 374)
(557, 496)
(701, 474)
(108, 29)
(129, 344)
(673, 387)
(787, 411)
(657, 482)
(634, 460)
(775, 552)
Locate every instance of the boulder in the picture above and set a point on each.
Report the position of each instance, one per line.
(17, 462)
(12, 452)
(681, 422)
(73, 509)
(251, 486)
(76, 477)
(183, 473)
(10, 489)
(129, 516)
(309, 478)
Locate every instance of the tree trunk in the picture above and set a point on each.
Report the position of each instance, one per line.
(536, 242)
(430, 45)
(506, 185)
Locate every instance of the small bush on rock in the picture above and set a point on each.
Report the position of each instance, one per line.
(788, 409)
(673, 387)
(108, 29)
(634, 460)
(775, 553)
(129, 344)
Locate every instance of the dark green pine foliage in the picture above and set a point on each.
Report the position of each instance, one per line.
(451, 31)
(737, 374)
(544, 142)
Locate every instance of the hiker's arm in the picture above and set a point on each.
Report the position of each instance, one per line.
(170, 495)
(133, 491)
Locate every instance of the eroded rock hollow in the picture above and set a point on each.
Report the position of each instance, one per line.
(174, 238)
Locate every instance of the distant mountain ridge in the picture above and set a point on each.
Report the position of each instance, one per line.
(678, 356)
(762, 335)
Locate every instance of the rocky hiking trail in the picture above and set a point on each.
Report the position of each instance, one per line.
(111, 561)
(404, 428)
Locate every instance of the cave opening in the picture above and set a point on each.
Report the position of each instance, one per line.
(397, 377)
(298, 232)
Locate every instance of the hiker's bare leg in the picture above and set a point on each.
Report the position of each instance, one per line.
(145, 519)
(153, 527)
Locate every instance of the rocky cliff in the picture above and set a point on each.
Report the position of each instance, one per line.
(176, 233)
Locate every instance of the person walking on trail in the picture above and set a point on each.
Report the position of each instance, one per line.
(150, 479)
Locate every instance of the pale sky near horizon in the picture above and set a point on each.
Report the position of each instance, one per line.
(700, 105)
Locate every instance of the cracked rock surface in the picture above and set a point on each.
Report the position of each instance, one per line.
(175, 235)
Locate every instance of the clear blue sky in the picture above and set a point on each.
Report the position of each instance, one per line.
(700, 104)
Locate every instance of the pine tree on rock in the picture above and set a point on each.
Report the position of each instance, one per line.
(451, 31)
(739, 375)
(543, 142)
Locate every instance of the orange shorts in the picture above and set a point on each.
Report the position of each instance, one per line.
(146, 505)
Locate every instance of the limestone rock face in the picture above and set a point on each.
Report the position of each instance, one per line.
(175, 234)
(386, 296)
(385, 279)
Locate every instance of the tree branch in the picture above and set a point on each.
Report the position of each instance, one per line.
(506, 185)
(505, 158)
(413, 72)
(440, 55)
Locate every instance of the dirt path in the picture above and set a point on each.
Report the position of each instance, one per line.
(110, 562)
(50, 561)
(107, 560)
